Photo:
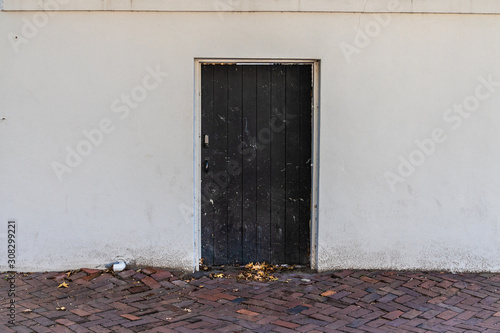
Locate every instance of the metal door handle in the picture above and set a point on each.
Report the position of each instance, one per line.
(206, 165)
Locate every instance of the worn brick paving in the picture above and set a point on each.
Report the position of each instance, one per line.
(152, 300)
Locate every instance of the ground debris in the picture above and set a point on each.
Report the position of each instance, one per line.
(202, 266)
(218, 275)
(262, 271)
(251, 272)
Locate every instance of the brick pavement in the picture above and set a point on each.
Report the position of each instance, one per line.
(153, 300)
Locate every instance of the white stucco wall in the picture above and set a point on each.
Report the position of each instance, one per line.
(131, 196)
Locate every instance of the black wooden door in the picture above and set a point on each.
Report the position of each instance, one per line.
(256, 163)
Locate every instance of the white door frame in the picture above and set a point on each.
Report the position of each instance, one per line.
(197, 148)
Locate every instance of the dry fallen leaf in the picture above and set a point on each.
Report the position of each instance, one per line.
(261, 271)
(202, 266)
(328, 293)
(64, 284)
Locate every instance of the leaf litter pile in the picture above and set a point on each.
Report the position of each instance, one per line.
(257, 272)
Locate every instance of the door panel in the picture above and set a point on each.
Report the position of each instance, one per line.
(263, 163)
(249, 166)
(235, 183)
(256, 164)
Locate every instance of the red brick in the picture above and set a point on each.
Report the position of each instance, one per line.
(247, 312)
(226, 296)
(343, 273)
(210, 297)
(285, 324)
(59, 277)
(466, 315)
(91, 276)
(161, 275)
(126, 274)
(411, 314)
(393, 315)
(130, 316)
(427, 284)
(76, 276)
(138, 289)
(80, 312)
(148, 270)
(150, 282)
(369, 280)
(437, 300)
(446, 315)
(445, 284)
(65, 322)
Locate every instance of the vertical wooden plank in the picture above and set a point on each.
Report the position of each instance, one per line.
(207, 209)
(218, 164)
(248, 150)
(263, 163)
(292, 162)
(278, 165)
(234, 166)
(305, 156)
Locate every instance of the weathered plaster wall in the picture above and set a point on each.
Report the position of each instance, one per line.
(132, 195)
